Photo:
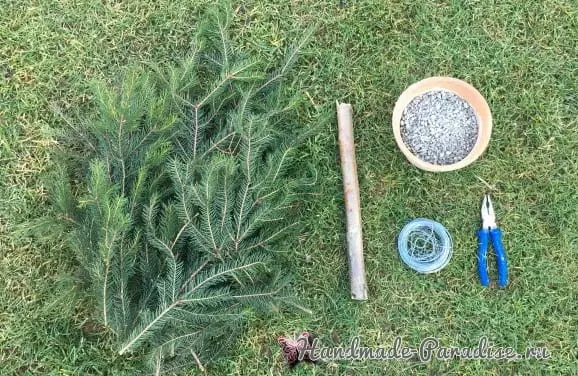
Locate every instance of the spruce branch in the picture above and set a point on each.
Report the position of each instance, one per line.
(176, 196)
(290, 59)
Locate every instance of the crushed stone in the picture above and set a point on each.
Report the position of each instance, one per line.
(439, 127)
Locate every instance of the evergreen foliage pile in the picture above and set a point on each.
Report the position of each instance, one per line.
(177, 194)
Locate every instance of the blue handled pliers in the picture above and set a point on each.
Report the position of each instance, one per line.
(491, 231)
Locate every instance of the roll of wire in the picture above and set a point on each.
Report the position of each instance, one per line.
(425, 245)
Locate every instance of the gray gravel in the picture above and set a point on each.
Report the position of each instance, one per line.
(439, 127)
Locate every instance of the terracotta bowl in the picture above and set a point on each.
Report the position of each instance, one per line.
(466, 92)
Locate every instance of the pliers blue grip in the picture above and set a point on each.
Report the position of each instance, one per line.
(496, 236)
(489, 231)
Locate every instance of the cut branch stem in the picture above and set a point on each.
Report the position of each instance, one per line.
(352, 204)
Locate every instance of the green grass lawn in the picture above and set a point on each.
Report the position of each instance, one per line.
(521, 55)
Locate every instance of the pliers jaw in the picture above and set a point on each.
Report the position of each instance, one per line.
(488, 214)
